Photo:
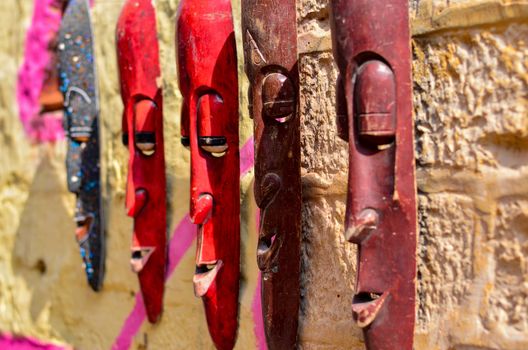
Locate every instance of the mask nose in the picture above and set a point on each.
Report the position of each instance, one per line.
(201, 209)
(136, 200)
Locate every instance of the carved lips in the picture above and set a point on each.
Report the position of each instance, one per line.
(372, 49)
(81, 124)
(208, 82)
(270, 47)
(139, 69)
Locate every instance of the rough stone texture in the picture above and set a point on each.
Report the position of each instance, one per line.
(471, 112)
(471, 109)
(470, 95)
(328, 262)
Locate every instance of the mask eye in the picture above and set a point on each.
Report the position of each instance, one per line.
(211, 120)
(144, 125)
(146, 142)
(185, 142)
(216, 145)
(79, 115)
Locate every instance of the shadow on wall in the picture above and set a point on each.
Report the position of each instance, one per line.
(42, 250)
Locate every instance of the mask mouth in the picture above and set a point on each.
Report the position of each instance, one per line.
(366, 306)
(84, 224)
(204, 277)
(267, 253)
(140, 257)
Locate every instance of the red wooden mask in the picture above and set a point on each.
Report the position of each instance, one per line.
(208, 82)
(137, 51)
(372, 49)
(269, 28)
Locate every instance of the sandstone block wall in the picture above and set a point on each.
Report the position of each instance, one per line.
(470, 100)
(470, 66)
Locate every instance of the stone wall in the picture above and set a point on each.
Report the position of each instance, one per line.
(471, 112)
(470, 72)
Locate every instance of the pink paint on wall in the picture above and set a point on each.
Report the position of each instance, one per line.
(247, 157)
(179, 244)
(11, 342)
(256, 306)
(44, 26)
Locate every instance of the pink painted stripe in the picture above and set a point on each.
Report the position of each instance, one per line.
(178, 246)
(247, 156)
(256, 310)
(131, 326)
(256, 306)
(11, 342)
(180, 243)
(44, 26)
(247, 161)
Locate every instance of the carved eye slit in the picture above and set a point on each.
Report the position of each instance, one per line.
(216, 145)
(78, 108)
(146, 142)
(144, 126)
(80, 134)
(185, 142)
(211, 120)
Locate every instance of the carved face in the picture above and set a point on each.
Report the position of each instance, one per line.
(82, 165)
(78, 86)
(83, 154)
(145, 113)
(374, 109)
(273, 105)
(138, 59)
(209, 85)
(271, 65)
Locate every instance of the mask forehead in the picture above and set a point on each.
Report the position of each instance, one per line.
(139, 66)
(76, 61)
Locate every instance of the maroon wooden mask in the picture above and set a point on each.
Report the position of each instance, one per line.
(209, 84)
(372, 49)
(137, 52)
(270, 46)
